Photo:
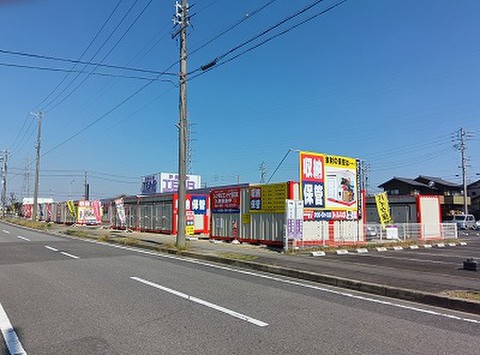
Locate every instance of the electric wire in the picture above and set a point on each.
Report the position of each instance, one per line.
(236, 24)
(69, 71)
(101, 65)
(96, 53)
(217, 60)
(83, 54)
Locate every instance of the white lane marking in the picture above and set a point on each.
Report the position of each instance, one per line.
(202, 302)
(5, 231)
(50, 248)
(11, 339)
(20, 237)
(70, 255)
(286, 281)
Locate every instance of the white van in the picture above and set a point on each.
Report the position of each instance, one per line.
(464, 221)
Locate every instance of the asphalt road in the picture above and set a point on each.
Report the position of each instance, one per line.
(68, 296)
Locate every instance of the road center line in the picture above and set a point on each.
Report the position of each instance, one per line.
(202, 302)
(11, 339)
(23, 238)
(50, 248)
(5, 231)
(69, 255)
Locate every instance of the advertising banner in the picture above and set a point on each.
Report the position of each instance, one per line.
(198, 204)
(226, 200)
(169, 182)
(149, 184)
(294, 216)
(120, 210)
(190, 223)
(383, 209)
(71, 208)
(89, 212)
(329, 186)
(268, 198)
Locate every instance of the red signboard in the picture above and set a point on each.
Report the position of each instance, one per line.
(226, 200)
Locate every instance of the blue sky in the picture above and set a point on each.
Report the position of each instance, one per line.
(389, 82)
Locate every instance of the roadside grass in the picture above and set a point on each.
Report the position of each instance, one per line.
(235, 256)
(105, 237)
(76, 233)
(175, 247)
(130, 241)
(464, 294)
(30, 224)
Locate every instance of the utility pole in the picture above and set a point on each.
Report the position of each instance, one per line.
(26, 179)
(39, 116)
(462, 137)
(86, 196)
(181, 19)
(4, 182)
(263, 172)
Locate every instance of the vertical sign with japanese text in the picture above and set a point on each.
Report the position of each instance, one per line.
(329, 186)
(312, 179)
(383, 208)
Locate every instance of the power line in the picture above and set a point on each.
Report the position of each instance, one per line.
(236, 24)
(66, 60)
(98, 50)
(83, 54)
(77, 71)
(216, 61)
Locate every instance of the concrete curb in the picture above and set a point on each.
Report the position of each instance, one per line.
(376, 289)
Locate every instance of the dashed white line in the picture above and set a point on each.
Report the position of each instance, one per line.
(11, 339)
(23, 238)
(290, 282)
(5, 231)
(62, 252)
(70, 255)
(202, 302)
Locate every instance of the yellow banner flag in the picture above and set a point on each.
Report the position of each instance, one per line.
(71, 208)
(383, 209)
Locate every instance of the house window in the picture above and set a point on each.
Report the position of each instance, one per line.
(394, 192)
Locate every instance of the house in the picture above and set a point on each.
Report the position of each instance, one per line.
(402, 193)
(473, 191)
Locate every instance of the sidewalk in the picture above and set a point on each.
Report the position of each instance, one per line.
(337, 271)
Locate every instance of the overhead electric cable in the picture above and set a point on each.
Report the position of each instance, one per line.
(216, 62)
(76, 71)
(83, 54)
(98, 50)
(236, 24)
(66, 60)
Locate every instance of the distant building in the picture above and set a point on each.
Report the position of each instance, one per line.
(402, 199)
(473, 191)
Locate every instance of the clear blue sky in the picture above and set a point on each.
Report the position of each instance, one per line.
(384, 81)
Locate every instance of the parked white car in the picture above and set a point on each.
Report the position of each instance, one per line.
(464, 221)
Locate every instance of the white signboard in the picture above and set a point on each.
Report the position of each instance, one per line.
(169, 182)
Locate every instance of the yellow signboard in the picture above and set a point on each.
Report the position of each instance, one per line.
(268, 198)
(383, 209)
(246, 218)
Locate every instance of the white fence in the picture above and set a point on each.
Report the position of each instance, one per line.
(322, 233)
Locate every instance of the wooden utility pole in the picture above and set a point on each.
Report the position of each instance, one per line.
(181, 18)
(39, 116)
